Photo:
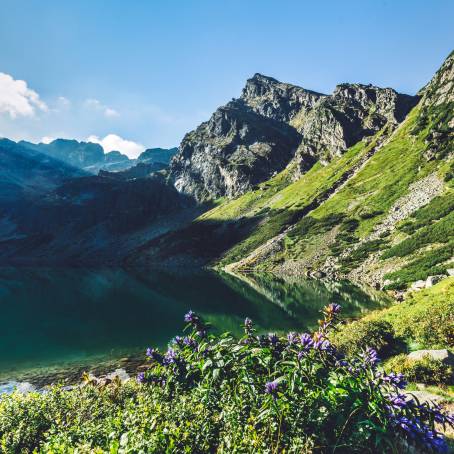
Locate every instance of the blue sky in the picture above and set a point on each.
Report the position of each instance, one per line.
(149, 71)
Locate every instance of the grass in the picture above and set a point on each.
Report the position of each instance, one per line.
(424, 320)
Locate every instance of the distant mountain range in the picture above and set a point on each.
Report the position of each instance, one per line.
(356, 184)
(91, 157)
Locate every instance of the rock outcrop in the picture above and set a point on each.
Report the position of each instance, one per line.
(233, 151)
(352, 112)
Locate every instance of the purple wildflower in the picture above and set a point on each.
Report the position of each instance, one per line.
(271, 387)
(393, 379)
(141, 377)
(292, 338)
(306, 341)
(191, 317)
(154, 354)
(190, 342)
(274, 340)
(342, 363)
(170, 357)
(370, 356)
(397, 402)
(178, 340)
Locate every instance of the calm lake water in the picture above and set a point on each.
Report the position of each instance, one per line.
(53, 317)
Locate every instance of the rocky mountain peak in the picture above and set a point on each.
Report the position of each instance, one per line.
(440, 89)
(272, 123)
(277, 100)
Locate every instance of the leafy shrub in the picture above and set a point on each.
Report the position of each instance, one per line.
(377, 334)
(438, 208)
(425, 318)
(430, 264)
(220, 394)
(439, 232)
(361, 253)
(427, 370)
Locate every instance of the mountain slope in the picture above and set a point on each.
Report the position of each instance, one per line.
(346, 216)
(28, 172)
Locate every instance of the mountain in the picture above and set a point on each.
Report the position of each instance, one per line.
(274, 124)
(367, 195)
(84, 155)
(25, 171)
(52, 212)
(157, 155)
(357, 184)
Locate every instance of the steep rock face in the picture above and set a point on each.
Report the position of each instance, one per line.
(440, 89)
(251, 138)
(352, 112)
(236, 149)
(437, 112)
(280, 101)
(244, 142)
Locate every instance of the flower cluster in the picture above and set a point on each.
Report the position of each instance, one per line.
(196, 322)
(300, 361)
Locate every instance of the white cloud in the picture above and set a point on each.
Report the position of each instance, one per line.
(113, 142)
(16, 99)
(47, 139)
(97, 105)
(108, 112)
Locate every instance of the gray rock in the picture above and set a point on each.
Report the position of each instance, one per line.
(450, 271)
(432, 280)
(443, 355)
(418, 285)
(425, 397)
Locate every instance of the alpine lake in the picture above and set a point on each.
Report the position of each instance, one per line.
(57, 323)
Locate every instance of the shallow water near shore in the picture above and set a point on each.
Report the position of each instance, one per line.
(59, 322)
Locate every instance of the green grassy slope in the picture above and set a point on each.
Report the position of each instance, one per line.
(332, 210)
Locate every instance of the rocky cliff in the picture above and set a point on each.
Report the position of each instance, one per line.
(275, 124)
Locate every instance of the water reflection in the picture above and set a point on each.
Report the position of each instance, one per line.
(56, 316)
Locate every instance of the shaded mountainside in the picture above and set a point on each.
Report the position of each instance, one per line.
(24, 171)
(375, 204)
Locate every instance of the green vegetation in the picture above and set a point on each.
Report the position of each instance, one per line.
(377, 334)
(220, 394)
(431, 263)
(438, 208)
(424, 320)
(439, 232)
(427, 370)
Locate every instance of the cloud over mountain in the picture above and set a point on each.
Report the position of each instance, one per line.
(113, 142)
(17, 99)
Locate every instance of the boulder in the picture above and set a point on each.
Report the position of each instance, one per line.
(418, 285)
(432, 280)
(443, 355)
